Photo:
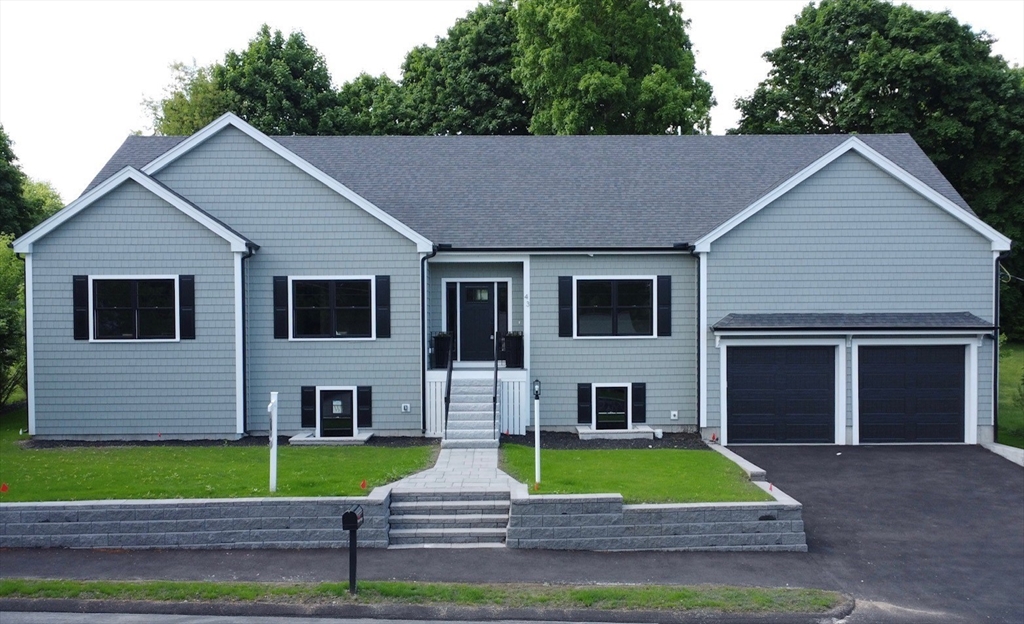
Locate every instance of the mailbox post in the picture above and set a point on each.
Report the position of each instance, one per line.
(351, 521)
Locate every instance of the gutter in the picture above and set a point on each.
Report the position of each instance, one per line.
(423, 337)
(447, 248)
(252, 247)
(995, 352)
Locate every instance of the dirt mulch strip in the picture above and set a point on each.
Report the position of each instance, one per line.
(570, 441)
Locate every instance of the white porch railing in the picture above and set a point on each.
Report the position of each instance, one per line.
(513, 399)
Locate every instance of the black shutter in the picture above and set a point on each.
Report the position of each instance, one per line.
(281, 309)
(309, 406)
(565, 307)
(664, 305)
(364, 398)
(187, 306)
(639, 403)
(80, 294)
(383, 306)
(584, 402)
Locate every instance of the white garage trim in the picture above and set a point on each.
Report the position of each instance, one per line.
(970, 378)
(840, 376)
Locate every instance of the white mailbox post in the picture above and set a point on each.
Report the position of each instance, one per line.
(272, 408)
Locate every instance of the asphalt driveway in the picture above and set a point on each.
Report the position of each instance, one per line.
(934, 529)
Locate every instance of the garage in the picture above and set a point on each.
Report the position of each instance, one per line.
(781, 394)
(911, 393)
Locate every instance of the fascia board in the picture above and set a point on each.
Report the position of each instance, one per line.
(230, 119)
(998, 241)
(24, 244)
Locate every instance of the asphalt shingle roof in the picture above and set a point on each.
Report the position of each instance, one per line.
(568, 191)
(879, 321)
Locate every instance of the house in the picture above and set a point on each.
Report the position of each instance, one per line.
(761, 289)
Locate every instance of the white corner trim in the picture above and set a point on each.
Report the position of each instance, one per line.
(702, 338)
(239, 349)
(24, 244)
(229, 119)
(30, 355)
(998, 241)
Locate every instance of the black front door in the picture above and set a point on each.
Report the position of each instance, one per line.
(476, 327)
(336, 413)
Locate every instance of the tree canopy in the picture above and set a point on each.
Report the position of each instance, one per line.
(23, 202)
(598, 67)
(867, 66)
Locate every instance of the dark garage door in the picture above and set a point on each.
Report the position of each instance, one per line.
(781, 394)
(911, 394)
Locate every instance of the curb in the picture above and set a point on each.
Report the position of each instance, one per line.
(416, 612)
(1011, 453)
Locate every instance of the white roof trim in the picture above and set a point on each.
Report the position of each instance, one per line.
(230, 119)
(999, 242)
(24, 244)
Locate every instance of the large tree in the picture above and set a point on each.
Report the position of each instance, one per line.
(23, 202)
(279, 85)
(868, 66)
(609, 67)
(463, 85)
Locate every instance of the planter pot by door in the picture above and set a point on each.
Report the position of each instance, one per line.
(442, 349)
(513, 351)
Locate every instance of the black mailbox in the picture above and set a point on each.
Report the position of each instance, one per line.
(353, 519)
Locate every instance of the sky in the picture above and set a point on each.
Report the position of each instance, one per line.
(73, 75)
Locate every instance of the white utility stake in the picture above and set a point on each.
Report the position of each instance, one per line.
(272, 408)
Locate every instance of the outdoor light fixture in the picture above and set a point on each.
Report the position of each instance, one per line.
(536, 389)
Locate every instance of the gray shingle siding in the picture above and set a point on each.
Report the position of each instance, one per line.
(134, 388)
(851, 239)
(305, 228)
(666, 364)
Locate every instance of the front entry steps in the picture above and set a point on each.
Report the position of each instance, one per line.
(449, 519)
(471, 415)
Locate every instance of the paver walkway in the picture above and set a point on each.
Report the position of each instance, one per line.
(460, 469)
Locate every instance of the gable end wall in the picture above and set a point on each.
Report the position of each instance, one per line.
(850, 239)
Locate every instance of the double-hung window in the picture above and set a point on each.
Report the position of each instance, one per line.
(134, 309)
(615, 307)
(332, 308)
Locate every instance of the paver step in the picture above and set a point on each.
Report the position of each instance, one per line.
(449, 521)
(402, 537)
(450, 496)
(450, 508)
(469, 444)
(482, 435)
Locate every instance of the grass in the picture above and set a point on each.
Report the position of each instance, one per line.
(646, 597)
(640, 475)
(98, 473)
(1011, 417)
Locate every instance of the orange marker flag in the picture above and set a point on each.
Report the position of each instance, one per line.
(3, 487)
(362, 485)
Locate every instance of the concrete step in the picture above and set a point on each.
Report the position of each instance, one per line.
(470, 406)
(466, 425)
(405, 537)
(449, 521)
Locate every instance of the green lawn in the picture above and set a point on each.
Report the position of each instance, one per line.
(640, 475)
(647, 597)
(1011, 416)
(97, 473)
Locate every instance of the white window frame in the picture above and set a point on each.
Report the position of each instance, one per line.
(839, 417)
(629, 402)
(970, 345)
(332, 278)
(177, 309)
(355, 407)
(623, 278)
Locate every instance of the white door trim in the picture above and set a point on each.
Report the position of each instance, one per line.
(458, 301)
(355, 407)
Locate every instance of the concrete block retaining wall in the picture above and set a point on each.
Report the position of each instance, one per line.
(603, 522)
(207, 524)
